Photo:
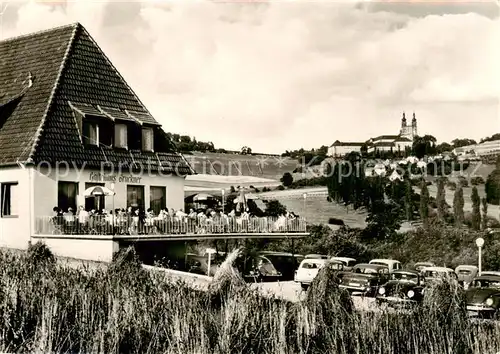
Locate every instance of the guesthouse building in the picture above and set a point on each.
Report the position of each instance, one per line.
(69, 121)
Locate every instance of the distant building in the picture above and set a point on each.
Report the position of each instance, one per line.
(339, 148)
(483, 149)
(382, 143)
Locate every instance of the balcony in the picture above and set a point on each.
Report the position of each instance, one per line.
(131, 228)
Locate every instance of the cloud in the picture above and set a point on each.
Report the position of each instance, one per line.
(284, 75)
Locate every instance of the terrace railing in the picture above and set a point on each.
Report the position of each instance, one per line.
(107, 225)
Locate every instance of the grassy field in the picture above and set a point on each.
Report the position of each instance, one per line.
(47, 308)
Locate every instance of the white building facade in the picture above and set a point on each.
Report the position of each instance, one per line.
(69, 121)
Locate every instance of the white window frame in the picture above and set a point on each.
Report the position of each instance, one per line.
(121, 141)
(13, 207)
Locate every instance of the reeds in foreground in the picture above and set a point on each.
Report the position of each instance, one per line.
(48, 308)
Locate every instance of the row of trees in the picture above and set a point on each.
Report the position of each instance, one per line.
(389, 203)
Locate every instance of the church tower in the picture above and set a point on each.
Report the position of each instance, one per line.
(414, 127)
(406, 130)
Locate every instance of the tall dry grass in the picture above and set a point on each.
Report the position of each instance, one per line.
(48, 308)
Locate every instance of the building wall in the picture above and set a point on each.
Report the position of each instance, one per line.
(46, 188)
(342, 150)
(15, 231)
(92, 248)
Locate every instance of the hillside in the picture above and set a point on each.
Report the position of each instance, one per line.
(261, 166)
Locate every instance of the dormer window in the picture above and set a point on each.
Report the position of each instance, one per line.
(147, 139)
(121, 136)
(90, 133)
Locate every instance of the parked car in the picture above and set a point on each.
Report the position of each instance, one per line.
(404, 288)
(466, 274)
(389, 263)
(421, 265)
(199, 264)
(316, 256)
(365, 279)
(490, 272)
(483, 296)
(437, 274)
(285, 263)
(310, 267)
(260, 269)
(348, 262)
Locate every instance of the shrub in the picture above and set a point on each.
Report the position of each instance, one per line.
(274, 208)
(335, 221)
(280, 188)
(475, 181)
(39, 255)
(492, 187)
(287, 179)
(463, 181)
(451, 185)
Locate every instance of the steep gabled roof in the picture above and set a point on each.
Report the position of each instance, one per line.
(402, 139)
(68, 71)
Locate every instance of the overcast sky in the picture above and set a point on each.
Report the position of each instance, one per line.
(286, 75)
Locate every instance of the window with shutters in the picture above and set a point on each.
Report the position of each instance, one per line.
(147, 139)
(9, 199)
(121, 136)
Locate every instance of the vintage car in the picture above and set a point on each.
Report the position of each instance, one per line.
(348, 262)
(316, 256)
(389, 263)
(285, 263)
(259, 269)
(438, 274)
(365, 279)
(404, 287)
(483, 296)
(421, 265)
(309, 268)
(465, 274)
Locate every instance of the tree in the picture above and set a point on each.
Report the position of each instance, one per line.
(383, 221)
(476, 212)
(443, 147)
(287, 179)
(458, 206)
(492, 186)
(245, 150)
(462, 142)
(425, 145)
(274, 208)
(424, 203)
(484, 223)
(441, 199)
(408, 201)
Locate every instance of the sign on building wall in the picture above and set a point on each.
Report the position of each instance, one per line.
(100, 177)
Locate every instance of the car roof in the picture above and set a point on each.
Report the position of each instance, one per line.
(343, 258)
(488, 277)
(425, 263)
(404, 271)
(316, 256)
(438, 269)
(490, 272)
(372, 266)
(465, 266)
(313, 260)
(381, 260)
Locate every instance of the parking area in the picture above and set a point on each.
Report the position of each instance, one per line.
(290, 290)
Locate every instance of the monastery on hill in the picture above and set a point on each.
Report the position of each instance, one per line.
(381, 143)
